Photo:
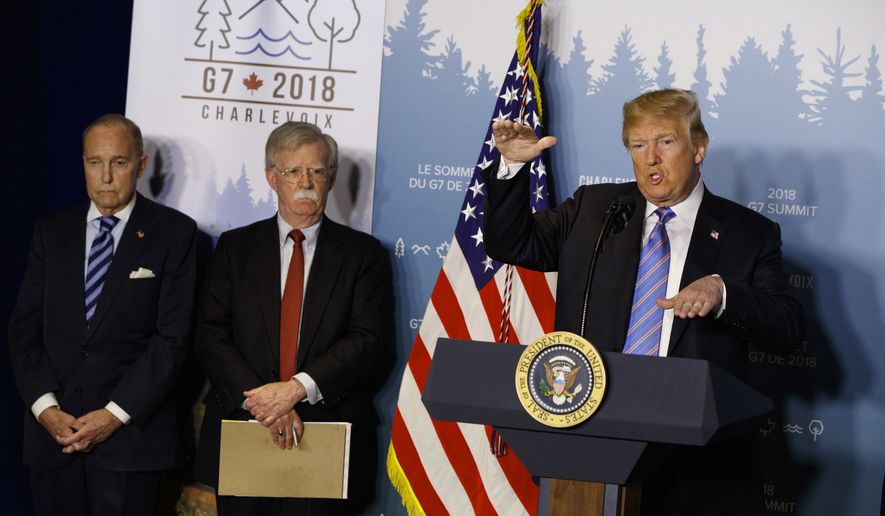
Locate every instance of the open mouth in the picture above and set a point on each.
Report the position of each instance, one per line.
(655, 178)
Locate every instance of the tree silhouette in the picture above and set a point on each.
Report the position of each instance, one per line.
(624, 75)
(701, 85)
(787, 78)
(450, 83)
(871, 96)
(832, 97)
(330, 23)
(577, 68)
(451, 72)
(235, 206)
(566, 107)
(266, 207)
(745, 100)
(663, 77)
(213, 25)
(870, 114)
(408, 43)
(623, 79)
(484, 81)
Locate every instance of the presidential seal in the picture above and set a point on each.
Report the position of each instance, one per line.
(560, 379)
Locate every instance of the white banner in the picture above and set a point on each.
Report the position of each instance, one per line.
(209, 80)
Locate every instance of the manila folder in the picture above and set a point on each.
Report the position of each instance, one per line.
(252, 465)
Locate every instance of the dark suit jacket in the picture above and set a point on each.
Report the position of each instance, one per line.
(347, 311)
(722, 479)
(745, 253)
(134, 349)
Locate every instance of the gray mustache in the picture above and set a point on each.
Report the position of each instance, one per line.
(305, 194)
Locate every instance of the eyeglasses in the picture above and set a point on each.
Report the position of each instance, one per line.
(294, 174)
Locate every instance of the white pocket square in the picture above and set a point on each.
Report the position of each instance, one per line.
(142, 273)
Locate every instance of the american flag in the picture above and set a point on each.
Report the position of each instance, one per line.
(442, 467)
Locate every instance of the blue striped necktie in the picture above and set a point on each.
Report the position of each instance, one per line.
(99, 262)
(646, 317)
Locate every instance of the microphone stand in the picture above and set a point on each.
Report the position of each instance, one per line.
(616, 218)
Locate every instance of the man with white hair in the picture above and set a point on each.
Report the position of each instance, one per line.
(292, 323)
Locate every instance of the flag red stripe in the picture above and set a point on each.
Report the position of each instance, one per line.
(539, 294)
(410, 462)
(493, 305)
(519, 478)
(419, 363)
(448, 308)
(455, 446)
(458, 452)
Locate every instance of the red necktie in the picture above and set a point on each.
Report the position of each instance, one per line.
(290, 309)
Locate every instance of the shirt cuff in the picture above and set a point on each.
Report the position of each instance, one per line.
(117, 411)
(43, 403)
(506, 171)
(314, 395)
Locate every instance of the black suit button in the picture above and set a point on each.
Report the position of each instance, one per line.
(78, 390)
(84, 352)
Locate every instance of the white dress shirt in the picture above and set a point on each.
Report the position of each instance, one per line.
(93, 226)
(308, 246)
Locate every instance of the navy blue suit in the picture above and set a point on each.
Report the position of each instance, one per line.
(740, 245)
(133, 350)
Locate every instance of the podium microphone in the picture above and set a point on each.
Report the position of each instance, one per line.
(615, 219)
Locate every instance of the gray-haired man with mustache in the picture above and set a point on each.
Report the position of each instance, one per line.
(292, 323)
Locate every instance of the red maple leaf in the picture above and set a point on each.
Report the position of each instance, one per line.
(252, 83)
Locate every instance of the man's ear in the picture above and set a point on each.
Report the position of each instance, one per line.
(700, 152)
(142, 165)
(332, 176)
(271, 180)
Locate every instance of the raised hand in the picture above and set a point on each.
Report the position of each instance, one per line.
(518, 143)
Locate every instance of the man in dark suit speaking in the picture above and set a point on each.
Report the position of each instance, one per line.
(690, 275)
(98, 336)
(292, 323)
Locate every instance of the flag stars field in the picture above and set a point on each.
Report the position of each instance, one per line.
(477, 187)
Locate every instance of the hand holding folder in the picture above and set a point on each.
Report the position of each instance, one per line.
(252, 464)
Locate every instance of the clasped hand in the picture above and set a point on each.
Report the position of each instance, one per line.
(79, 434)
(273, 404)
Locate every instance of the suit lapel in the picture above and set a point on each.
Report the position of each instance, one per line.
(709, 231)
(264, 265)
(72, 256)
(327, 261)
(137, 234)
(614, 279)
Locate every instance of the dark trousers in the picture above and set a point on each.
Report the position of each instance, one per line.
(246, 506)
(723, 479)
(83, 489)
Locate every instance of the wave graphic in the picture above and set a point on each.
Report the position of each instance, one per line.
(795, 429)
(261, 32)
(260, 48)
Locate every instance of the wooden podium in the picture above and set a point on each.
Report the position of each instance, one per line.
(650, 406)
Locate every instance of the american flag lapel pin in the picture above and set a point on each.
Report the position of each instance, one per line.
(714, 234)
